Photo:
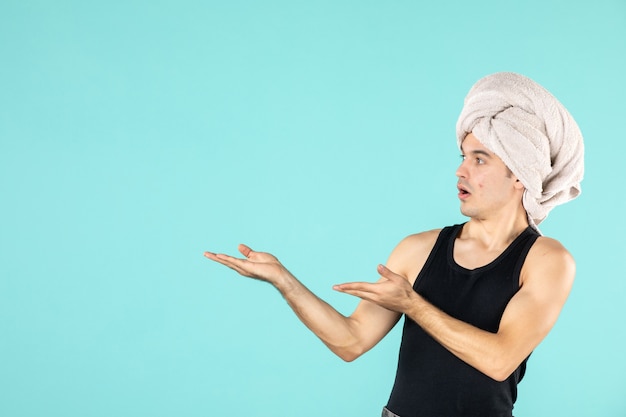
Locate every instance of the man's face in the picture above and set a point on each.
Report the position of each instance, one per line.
(486, 186)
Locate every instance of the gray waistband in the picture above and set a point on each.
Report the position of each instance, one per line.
(387, 413)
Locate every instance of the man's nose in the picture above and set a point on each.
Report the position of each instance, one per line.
(461, 171)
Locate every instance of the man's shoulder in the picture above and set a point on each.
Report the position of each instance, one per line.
(421, 237)
(409, 256)
(548, 247)
(548, 257)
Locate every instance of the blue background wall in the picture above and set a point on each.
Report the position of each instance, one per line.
(136, 135)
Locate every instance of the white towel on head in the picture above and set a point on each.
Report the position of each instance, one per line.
(533, 134)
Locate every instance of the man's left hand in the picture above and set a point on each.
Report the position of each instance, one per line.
(392, 291)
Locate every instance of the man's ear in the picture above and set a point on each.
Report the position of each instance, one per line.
(518, 184)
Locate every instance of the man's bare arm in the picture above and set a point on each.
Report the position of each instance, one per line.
(348, 337)
(547, 279)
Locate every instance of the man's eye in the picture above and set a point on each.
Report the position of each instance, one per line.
(480, 161)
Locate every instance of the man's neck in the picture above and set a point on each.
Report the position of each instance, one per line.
(497, 232)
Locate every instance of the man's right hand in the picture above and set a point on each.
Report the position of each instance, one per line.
(258, 265)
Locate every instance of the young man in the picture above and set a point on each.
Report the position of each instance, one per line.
(477, 297)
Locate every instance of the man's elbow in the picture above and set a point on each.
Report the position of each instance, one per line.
(501, 370)
(499, 375)
(348, 357)
(348, 354)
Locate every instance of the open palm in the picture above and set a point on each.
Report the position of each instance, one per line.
(258, 265)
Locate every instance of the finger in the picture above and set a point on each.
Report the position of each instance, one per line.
(389, 274)
(364, 295)
(355, 286)
(212, 256)
(229, 261)
(218, 257)
(232, 261)
(245, 250)
(237, 265)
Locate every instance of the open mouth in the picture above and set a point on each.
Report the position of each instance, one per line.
(463, 192)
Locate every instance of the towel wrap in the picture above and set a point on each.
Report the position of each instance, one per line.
(533, 134)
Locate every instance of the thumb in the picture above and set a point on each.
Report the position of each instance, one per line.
(245, 250)
(389, 274)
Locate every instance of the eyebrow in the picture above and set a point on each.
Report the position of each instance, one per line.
(478, 152)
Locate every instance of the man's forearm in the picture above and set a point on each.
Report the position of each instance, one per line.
(334, 329)
(479, 348)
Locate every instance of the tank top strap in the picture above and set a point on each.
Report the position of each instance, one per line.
(446, 235)
(528, 238)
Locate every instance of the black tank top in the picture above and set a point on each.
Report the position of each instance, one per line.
(431, 381)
